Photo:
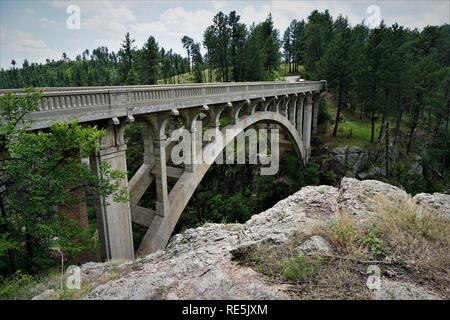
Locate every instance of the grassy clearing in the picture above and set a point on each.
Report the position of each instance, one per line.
(351, 130)
(186, 78)
(403, 239)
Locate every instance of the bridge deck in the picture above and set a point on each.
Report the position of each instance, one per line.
(96, 103)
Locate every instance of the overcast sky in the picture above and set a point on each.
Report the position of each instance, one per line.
(37, 30)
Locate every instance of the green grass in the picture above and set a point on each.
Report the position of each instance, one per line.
(352, 131)
(186, 78)
(284, 70)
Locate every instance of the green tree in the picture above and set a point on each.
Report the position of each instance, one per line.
(187, 44)
(335, 64)
(126, 55)
(148, 60)
(36, 180)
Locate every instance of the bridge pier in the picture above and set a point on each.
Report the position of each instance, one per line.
(157, 124)
(307, 125)
(299, 114)
(315, 112)
(113, 218)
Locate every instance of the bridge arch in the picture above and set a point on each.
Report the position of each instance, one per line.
(162, 226)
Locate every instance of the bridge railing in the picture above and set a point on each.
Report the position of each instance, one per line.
(95, 103)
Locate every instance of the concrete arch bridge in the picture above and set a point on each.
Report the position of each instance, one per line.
(290, 107)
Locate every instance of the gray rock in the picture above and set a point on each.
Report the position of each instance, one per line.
(360, 197)
(437, 202)
(372, 173)
(396, 290)
(348, 161)
(198, 263)
(415, 169)
(315, 245)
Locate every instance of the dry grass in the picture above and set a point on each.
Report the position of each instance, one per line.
(309, 277)
(404, 239)
(411, 240)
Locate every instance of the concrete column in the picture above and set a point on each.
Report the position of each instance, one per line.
(307, 125)
(293, 109)
(299, 114)
(157, 123)
(160, 172)
(194, 126)
(283, 106)
(113, 218)
(148, 145)
(316, 102)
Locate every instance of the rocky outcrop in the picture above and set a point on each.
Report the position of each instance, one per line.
(349, 161)
(437, 202)
(198, 263)
(369, 162)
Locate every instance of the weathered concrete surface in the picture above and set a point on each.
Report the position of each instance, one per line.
(96, 103)
(197, 264)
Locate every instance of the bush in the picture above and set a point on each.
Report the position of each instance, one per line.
(16, 287)
(325, 114)
(301, 268)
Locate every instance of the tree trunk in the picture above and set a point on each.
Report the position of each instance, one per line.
(383, 115)
(372, 127)
(338, 113)
(28, 252)
(414, 122)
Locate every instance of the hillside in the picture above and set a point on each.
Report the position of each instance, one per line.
(321, 242)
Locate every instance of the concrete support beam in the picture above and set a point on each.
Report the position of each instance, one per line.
(160, 173)
(234, 109)
(307, 125)
(141, 180)
(299, 114)
(292, 109)
(172, 172)
(316, 102)
(283, 107)
(157, 123)
(113, 218)
(190, 118)
(214, 115)
(142, 216)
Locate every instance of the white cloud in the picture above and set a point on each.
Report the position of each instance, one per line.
(19, 45)
(106, 22)
(27, 43)
(218, 4)
(250, 14)
(47, 23)
(417, 14)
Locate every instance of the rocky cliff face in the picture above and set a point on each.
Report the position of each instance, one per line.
(199, 264)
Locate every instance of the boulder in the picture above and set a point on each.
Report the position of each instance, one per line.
(348, 161)
(437, 202)
(315, 245)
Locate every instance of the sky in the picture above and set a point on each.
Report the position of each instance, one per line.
(39, 29)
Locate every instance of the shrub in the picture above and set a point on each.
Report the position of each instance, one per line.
(373, 243)
(301, 268)
(16, 287)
